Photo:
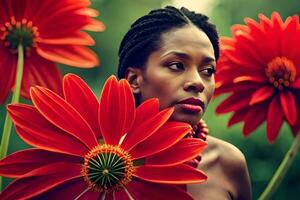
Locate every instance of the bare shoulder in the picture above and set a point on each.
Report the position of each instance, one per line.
(229, 155)
(234, 165)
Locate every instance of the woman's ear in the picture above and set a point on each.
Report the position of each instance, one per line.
(134, 76)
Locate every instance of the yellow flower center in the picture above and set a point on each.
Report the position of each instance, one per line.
(107, 167)
(281, 72)
(19, 32)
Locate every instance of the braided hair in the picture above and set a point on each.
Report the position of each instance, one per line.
(144, 35)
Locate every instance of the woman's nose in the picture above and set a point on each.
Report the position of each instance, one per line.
(193, 83)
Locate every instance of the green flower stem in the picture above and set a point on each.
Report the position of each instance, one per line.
(282, 169)
(15, 99)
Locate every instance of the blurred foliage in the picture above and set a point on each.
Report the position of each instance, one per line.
(262, 158)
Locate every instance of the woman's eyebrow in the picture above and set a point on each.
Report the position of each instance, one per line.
(205, 59)
(177, 53)
(208, 60)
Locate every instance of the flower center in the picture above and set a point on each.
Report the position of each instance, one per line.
(281, 72)
(19, 32)
(107, 167)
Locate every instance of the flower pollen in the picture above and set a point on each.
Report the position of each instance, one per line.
(281, 72)
(19, 32)
(107, 168)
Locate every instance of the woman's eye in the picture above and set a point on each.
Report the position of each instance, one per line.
(176, 66)
(209, 71)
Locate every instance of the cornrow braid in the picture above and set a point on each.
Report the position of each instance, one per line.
(144, 35)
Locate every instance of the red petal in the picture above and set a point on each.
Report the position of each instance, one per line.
(255, 79)
(238, 116)
(261, 94)
(41, 72)
(127, 105)
(274, 119)
(76, 91)
(146, 110)
(22, 162)
(117, 110)
(239, 58)
(95, 25)
(70, 189)
(290, 37)
(184, 150)
(289, 106)
(226, 42)
(277, 21)
(235, 102)
(89, 194)
(34, 129)
(254, 117)
(169, 134)
(60, 113)
(296, 84)
(77, 38)
(247, 49)
(89, 12)
(270, 42)
(109, 196)
(41, 180)
(121, 194)
(296, 127)
(77, 56)
(234, 87)
(55, 23)
(146, 129)
(109, 111)
(238, 29)
(258, 33)
(178, 174)
(233, 73)
(7, 71)
(150, 191)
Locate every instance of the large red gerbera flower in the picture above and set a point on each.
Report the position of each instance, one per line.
(85, 149)
(49, 31)
(260, 67)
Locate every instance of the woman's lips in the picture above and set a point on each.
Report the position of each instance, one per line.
(191, 108)
(191, 104)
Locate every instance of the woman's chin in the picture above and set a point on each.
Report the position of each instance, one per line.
(191, 119)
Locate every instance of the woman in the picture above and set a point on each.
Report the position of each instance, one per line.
(171, 54)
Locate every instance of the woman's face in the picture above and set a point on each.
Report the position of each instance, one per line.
(180, 73)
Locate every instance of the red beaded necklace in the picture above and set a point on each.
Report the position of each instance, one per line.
(199, 131)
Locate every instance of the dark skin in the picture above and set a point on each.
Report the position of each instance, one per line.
(181, 68)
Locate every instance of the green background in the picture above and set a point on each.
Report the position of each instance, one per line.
(262, 158)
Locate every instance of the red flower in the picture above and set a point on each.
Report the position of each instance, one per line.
(85, 149)
(260, 67)
(50, 31)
